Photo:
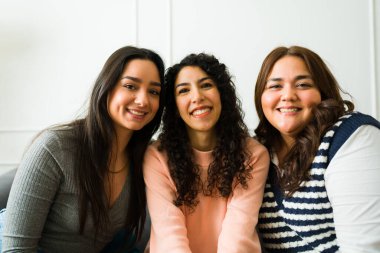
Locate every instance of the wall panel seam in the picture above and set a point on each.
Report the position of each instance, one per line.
(169, 24)
(372, 55)
(19, 130)
(137, 23)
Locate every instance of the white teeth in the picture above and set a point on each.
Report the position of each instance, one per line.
(199, 112)
(136, 112)
(288, 110)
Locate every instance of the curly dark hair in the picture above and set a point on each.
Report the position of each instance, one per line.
(296, 164)
(229, 154)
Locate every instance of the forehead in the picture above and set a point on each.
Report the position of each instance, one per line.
(141, 67)
(289, 66)
(190, 73)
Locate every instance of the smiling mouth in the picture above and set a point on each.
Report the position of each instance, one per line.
(199, 112)
(137, 113)
(285, 110)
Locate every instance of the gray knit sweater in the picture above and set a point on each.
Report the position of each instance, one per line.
(42, 210)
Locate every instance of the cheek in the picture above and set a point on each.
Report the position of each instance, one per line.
(180, 105)
(312, 99)
(267, 101)
(117, 98)
(155, 104)
(111, 101)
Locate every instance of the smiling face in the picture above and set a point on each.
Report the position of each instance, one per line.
(134, 100)
(198, 100)
(290, 95)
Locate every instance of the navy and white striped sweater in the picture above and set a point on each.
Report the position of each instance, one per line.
(304, 222)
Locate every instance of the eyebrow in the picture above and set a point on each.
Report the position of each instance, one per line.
(199, 81)
(138, 80)
(300, 77)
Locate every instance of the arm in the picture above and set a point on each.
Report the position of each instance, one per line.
(238, 230)
(31, 195)
(352, 184)
(168, 231)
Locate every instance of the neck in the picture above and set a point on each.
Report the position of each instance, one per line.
(119, 159)
(203, 141)
(288, 141)
(122, 138)
(284, 148)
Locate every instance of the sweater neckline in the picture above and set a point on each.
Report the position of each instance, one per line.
(203, 158)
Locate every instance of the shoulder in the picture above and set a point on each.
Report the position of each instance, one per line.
(363, 142)
(47, 153)
(255, 146)
(57, 139)
(153, 148)
(154, 153)
(45, 140)
(257, 151)
(59, 145)
(155, 161)
(346, 126)
(350, 122)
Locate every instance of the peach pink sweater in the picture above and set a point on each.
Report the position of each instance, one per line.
(217, 225)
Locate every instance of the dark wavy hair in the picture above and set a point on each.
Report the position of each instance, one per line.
(94, 134)
(296, 164)
(229, 154)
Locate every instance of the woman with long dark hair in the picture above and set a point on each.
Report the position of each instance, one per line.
(80, 183)
(322, 193)
(205, 176)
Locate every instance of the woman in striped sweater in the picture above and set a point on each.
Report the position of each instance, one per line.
(322, 192)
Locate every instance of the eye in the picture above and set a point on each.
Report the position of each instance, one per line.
(207, 85)
(154, 92)
(183, 90)
(274, 86)
(304, 85)
(129, 86)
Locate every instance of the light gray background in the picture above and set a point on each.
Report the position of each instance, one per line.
(52, 50)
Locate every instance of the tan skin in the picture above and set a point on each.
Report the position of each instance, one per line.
(288, 100)
(132, 103)
(198, 102)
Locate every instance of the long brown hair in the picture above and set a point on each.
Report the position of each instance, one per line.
(94, 134)
(295, 168)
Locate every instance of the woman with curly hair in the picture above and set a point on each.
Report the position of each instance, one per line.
(322, 193)
(205, 176)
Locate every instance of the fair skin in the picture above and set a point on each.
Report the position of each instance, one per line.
(132, 104)
(198, 103)
(288, 99)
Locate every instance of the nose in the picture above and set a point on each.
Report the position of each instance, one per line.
(141, 98)
(289, 93)
(196, 95)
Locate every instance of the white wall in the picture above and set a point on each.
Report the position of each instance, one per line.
(51, 50)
